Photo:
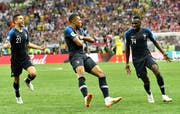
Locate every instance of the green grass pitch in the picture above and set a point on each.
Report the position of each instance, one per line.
(57, 92)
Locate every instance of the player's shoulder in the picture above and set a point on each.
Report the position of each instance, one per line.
(128, 31)
(11, 33)
(146, 29)
(67, 29)
(12, 30)
(25, 30)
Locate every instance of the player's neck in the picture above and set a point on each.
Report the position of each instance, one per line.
(19, 28)
(72, 26)
(137, 30)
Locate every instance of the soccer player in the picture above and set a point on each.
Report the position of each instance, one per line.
(81, 63)
(119, 51)
(136, 38)
(18, 41)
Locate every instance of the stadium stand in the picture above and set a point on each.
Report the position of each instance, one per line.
(46, 19)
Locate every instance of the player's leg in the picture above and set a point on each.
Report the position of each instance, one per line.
(117, 55)
(29, 67)
(81, 80)
(154, 67)
(82, 85)
(122, 57)
(142, 74)
(77, 64)
(16, 86)
(31, 76)
(146, 82)
(94, 69)
(117, 58)
(109, 101)
(16, 71)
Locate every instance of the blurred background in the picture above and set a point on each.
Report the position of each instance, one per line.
(105, 20)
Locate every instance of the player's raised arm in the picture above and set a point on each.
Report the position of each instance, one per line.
(153, 39)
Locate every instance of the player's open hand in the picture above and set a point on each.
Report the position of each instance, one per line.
(168, 59)
(128, 70)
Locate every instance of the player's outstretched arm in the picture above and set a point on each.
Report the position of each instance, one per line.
(168, 59)
(31, 45)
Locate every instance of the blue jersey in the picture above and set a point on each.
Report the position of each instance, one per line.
(70, 34)
(19, 41)
(138, 42)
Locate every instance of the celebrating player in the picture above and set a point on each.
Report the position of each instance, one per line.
(136, 38)
(75, 38)
(18, 41)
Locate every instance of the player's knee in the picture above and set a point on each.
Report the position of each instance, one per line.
(146, 80)
(156, 72)
(100, 73)
(32, 71)
(155, 69)
(80, 71)
(16, 79)
(32, 74)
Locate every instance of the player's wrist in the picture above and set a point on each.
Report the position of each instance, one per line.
(81, 37)
(164, 54)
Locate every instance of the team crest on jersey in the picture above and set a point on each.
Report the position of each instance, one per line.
(144, 35)
(26, 35)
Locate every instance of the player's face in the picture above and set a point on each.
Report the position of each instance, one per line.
(20, 21)
(78, 22)
(136, 24)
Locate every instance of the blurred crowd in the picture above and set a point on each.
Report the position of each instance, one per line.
(102, 19)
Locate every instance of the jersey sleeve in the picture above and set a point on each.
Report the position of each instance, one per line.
(9, 36)
(68, 32)
(83, 32)
(126, 38)
(151, 36)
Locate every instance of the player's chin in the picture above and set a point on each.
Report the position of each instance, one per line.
(22, 25)
(79, 26)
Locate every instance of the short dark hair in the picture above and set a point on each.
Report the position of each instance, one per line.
(15, 17)
(72, 16)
